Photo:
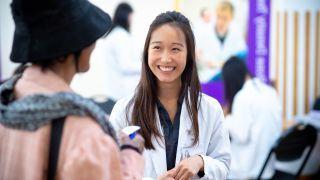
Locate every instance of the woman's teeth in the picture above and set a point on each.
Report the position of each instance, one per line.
(166, 68)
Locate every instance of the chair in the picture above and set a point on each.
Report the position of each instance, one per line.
(290, 146)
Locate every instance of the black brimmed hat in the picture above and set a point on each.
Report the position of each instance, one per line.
(48, 29)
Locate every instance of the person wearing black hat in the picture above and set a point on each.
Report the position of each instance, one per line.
(46, 130)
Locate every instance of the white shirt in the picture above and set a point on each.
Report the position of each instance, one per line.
(114, 67)
(254, 126)
(214, 144)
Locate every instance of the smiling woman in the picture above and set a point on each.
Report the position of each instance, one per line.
(183, 129)
(167, 54)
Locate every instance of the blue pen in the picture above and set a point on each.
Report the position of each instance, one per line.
(131, 131)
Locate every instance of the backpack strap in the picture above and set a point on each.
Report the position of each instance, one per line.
(55, 141)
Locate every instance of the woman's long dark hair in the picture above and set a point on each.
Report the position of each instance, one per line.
(144, 101)
(234, 73)
(121, 16)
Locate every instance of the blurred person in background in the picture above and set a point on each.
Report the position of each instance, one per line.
(204, 23)
(253, 118)
(47, 131)
(183, 129)
(115, 64)
(217, 44)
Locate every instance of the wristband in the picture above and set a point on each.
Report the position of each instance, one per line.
(127, 146)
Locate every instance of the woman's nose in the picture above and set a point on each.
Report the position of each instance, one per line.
(166, 57)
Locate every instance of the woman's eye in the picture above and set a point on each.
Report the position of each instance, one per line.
(176, 49)
(156, 47)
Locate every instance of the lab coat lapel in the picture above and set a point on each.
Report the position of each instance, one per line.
(158, 155)
(185, 133)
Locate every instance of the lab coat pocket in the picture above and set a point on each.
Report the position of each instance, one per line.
(189, 151)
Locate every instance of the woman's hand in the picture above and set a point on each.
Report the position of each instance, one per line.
(188, 167)
(169, 175)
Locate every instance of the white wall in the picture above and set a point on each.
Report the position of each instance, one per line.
(287, 91)
(6, 38)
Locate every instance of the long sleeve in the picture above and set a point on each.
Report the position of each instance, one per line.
(217, 159)
(132, 164)
(91, 154)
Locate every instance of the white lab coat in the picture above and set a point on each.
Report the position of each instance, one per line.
(114, 67)
(254, 126)
(210, 48)
(214, 144)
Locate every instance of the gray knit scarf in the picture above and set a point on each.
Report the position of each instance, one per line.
(35, 111)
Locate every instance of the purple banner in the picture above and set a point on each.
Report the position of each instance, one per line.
(214, 89)
(258, 39)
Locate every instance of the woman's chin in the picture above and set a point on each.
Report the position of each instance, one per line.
(167, 80)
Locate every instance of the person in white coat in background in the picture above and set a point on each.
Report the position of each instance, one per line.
(204, 22)
(218, 43)
(253, 120)
(184, 130)
(115, 63)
